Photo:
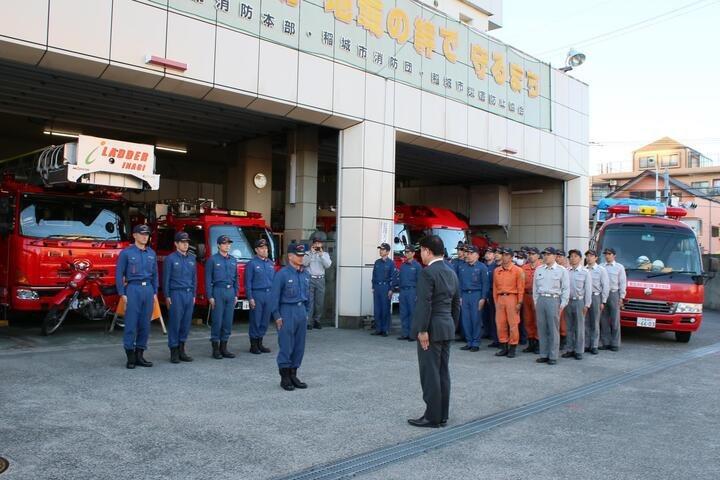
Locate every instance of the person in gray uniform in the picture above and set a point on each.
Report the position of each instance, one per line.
(600, 291)
(578, 305)
(316, 262)
(610, 317)
(550, 294)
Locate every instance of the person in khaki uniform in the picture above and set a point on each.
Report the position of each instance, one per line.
(550, 294)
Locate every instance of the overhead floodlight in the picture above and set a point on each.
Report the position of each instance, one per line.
(49, 131)
(574, 59)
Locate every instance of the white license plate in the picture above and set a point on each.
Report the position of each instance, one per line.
(242, 305)
(646, 322)
(395, 298)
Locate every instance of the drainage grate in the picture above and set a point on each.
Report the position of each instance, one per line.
(377, 459)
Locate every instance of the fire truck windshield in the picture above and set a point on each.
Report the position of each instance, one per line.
(450, 238)
(654, 249)
(243, 238)
(71, 218)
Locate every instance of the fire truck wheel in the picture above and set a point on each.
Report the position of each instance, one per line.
(682, 337)
(52, 321)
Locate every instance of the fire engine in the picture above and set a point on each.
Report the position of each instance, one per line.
(661, 256)
(63, 206)
(417, 221)
(204, 223)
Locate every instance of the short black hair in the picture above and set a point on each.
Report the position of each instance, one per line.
(434, 244)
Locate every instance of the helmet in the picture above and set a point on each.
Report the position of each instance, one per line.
(658, 265)
(642, 259)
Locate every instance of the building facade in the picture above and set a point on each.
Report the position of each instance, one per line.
(342, 103)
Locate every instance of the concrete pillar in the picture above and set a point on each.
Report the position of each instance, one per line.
(366, 207)
(254, 156)
(301, 211)
(577, 213)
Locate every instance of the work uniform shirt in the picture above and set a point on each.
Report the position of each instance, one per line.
(407, 276)
(490, 267)
(290, 287)
(136, 265)
(508, 280)
(316, 263)
(456, 263)
(221, 271)
(617, 277)
(600, 281)
(474, 278)
(383, 272)
(180, 273)
(529, 271)
(580, 284)
(552, 280)
(259, 275)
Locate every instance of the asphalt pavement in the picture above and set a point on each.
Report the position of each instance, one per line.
(69, 409)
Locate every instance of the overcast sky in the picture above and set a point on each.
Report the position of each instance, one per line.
(660, 78)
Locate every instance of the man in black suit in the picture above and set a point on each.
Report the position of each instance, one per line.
(437, 312)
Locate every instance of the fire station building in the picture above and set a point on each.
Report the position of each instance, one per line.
(304, 109)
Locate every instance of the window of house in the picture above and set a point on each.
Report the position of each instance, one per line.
(647, 161)
(694, 160)
(672, 160)
(703, 184)
(715, 232)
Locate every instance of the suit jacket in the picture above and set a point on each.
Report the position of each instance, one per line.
(437, 310)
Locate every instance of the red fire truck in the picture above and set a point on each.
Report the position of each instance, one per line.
(419, 221)
(205, 223)
(67, 208)
(661, 256)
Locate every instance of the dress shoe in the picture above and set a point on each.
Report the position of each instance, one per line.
(224, 351)
(263, 348)
(443, 422)
(184, 357)
(542, 360)
(466, 347)
(130, 359)
(578, 356)
(551, 362)
(594, 351)
(403, 338)
(421, 422)
(474, 349)
(604, 347)
(140, 359)
(568, 355)
(614, 349)
(376, 333)
(316, 325)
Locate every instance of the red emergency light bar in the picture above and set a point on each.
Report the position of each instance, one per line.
(650, 210)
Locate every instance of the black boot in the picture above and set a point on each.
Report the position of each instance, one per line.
(224, 351)
(130, 358)
(140, 360)
(216, 351)
(285, 381)
(536, 347)
(503, 350)
(562, 342)
(316, 325)
(295, 380)
(529, 348)
(184, 357)
(263, 348)
(254, 346)
(511, 351)
(175, 355)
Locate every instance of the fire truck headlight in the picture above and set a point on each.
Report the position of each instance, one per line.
(25, 294)
(689, 308)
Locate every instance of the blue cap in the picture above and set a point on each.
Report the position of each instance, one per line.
(506, 251)
(472, 249)
(261, 243)
(384, 246)
(142, 229)
(533, 250)
(550, 250)
(182, 237)
(409, 249)
(224, 239)
(296, 249)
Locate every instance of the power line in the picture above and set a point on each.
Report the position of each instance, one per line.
(634, 26)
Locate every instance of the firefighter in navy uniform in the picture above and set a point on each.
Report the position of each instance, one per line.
(405, 281)
(221, 286)
(290, 306)
(136, 279)
(180, 288)
(259, 274)
(382, 277)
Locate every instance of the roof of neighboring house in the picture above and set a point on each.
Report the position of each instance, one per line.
(675, 183)
(664, 143)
